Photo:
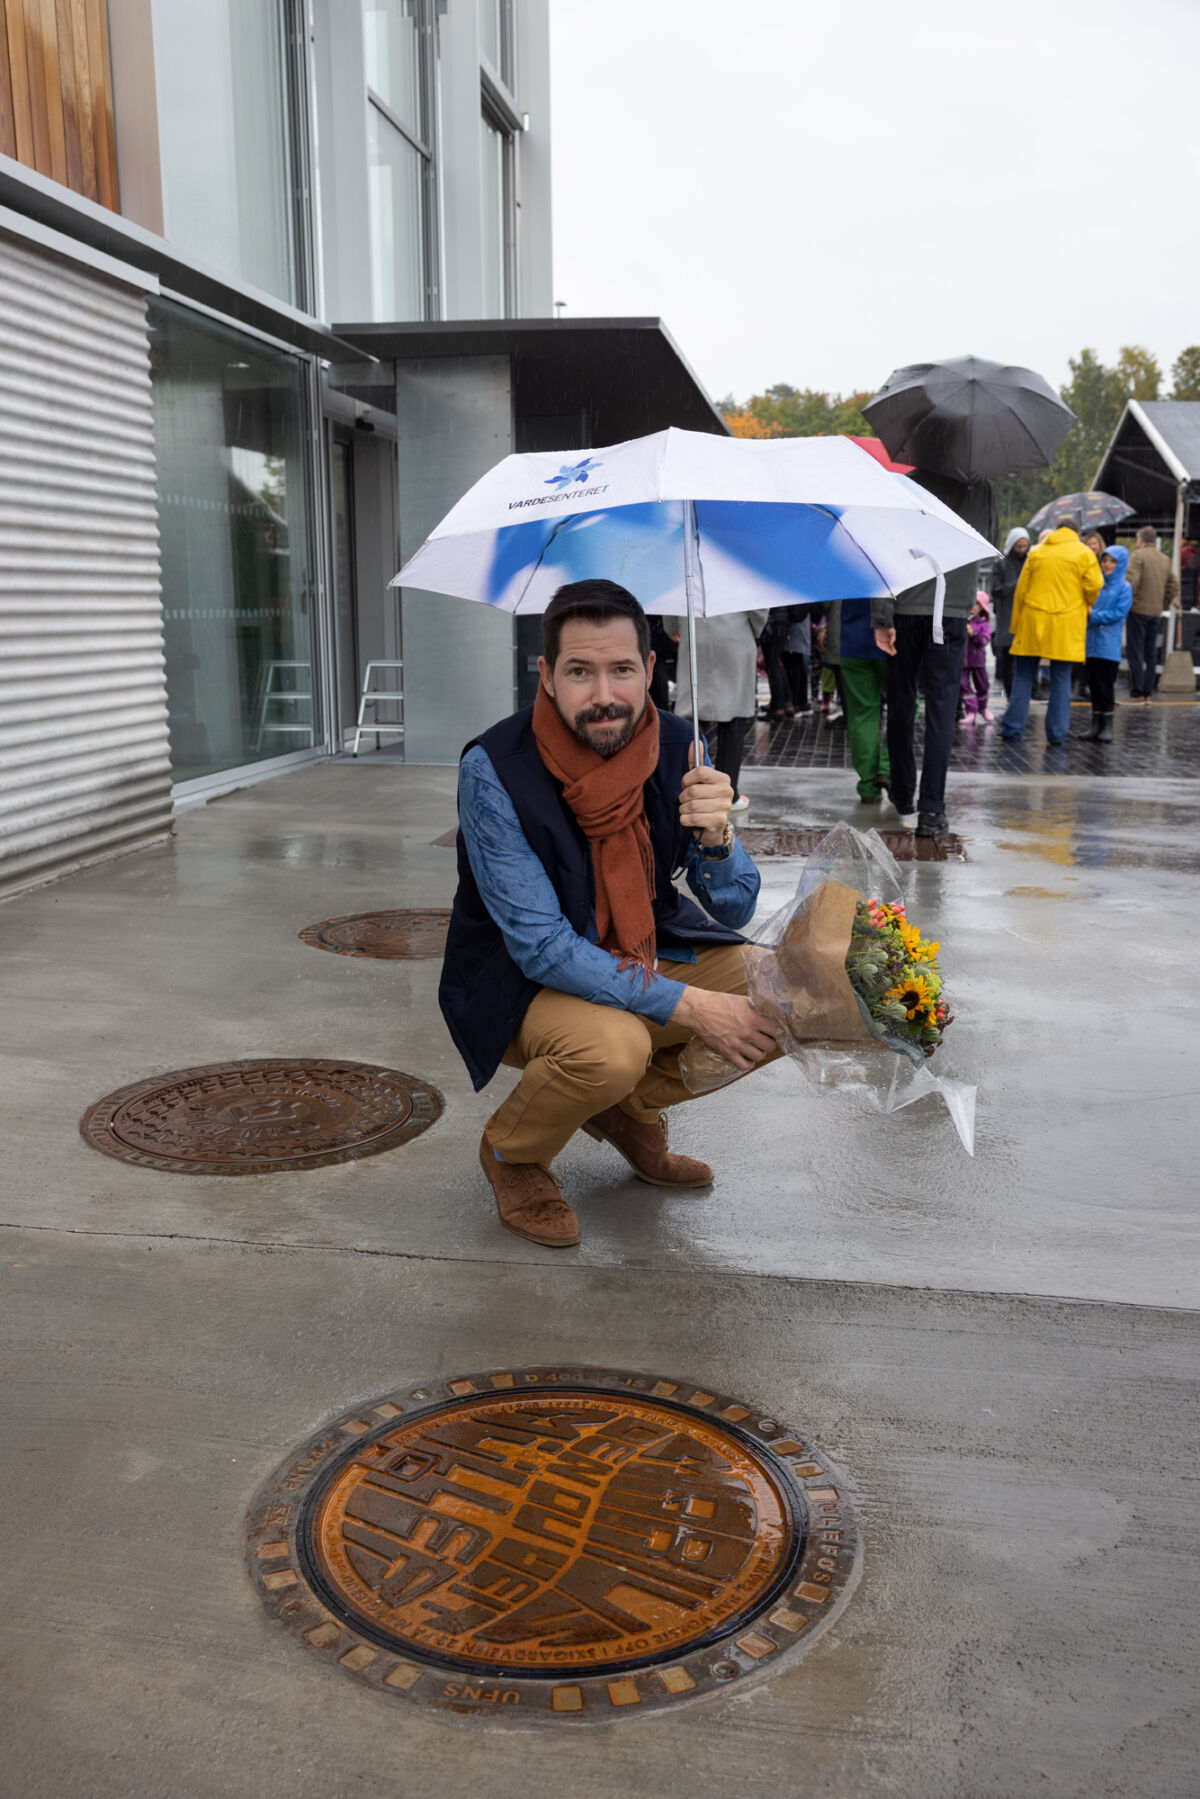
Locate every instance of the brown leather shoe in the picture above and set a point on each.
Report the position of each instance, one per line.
(644, 1147)
(529, 1200)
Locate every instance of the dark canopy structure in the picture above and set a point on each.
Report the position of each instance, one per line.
(1153, 464)
(575, 383)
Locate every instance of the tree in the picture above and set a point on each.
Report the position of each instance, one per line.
(785, 411)
(1185, 374)
(1140, 372)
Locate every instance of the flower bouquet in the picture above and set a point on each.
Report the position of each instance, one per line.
(853, 989)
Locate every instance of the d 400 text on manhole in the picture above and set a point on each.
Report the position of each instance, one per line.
(260, 1117)
(554, 1544)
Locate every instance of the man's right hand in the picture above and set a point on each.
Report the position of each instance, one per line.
(728, 1023)
(885, 638)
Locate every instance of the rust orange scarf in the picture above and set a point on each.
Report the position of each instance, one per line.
(605, 794)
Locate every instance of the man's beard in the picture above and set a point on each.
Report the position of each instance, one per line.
(611, 742)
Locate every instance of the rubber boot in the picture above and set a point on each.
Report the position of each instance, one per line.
(1103, 732)
(1089, 732)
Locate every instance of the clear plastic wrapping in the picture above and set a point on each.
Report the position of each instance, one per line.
(797, 977)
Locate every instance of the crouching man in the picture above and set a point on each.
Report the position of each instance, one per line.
(571, 955)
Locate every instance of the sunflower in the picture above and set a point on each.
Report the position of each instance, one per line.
(914, 995)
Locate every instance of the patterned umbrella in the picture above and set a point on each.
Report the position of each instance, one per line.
(1091, 510)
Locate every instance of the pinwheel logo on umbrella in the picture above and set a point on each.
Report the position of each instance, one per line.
(573, 471)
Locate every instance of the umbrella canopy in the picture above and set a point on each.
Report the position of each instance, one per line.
(694, 523)
(773, 522)
(969, 418)
(874, 447)
(1090, 511)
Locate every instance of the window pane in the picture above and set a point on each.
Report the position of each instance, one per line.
(226, 163)
(397, 256)
(491, 33)
(492, 155)
(234, 532)
(392, 46)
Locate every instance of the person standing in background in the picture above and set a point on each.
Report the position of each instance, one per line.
(1155, 588)
(927, 654)
(782, 705)
(864, 679)
(797, 654)
(1058, 584)
(1103, 646)
(975, 671)
(727, 667)
(1005, 576)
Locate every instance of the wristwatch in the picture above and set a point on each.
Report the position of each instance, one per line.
(719, 851)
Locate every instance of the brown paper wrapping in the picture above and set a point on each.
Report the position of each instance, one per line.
(801, 984)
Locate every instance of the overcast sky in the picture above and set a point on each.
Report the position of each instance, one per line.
(819, 193)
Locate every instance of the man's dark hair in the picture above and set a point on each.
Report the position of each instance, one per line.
(597, 601)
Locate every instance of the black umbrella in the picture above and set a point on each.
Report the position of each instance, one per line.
(969, 418)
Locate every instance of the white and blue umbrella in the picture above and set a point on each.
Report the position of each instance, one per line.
(694, 523)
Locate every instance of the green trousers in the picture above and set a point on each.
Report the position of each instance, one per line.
(863, 683)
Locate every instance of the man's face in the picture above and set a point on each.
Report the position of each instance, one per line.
(1021, 547)
(599, 682)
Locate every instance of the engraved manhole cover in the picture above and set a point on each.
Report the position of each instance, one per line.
(258, 1117)
(389, 936)
(906, 846)
(545, 1543)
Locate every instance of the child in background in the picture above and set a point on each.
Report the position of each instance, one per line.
(975, 670)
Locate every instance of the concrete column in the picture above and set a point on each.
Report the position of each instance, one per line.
(454, 421)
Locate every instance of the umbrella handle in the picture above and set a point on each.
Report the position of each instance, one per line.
(939, 591)
(693, 582)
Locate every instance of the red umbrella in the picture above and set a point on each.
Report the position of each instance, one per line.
(874, 447)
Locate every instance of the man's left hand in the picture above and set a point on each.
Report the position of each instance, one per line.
(705, 801)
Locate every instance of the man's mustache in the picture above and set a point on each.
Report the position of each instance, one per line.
(599, 715)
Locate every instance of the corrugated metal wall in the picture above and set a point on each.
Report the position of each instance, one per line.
(84, 763)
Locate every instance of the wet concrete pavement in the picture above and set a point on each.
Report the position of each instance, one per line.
(1000, 1352)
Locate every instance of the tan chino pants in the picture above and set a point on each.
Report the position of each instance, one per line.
(579, 1057)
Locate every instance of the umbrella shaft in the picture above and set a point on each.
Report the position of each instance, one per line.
(692, 584)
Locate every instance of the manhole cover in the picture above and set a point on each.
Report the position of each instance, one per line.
(390, 936)
(575, 1544)
(260, 1117)
(906, 846)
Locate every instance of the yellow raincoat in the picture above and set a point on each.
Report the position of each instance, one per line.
(1060, 580)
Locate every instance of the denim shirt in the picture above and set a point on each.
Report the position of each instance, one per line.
(520, 896)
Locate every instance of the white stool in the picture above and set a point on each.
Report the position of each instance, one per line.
(273, 695)
(371, 697)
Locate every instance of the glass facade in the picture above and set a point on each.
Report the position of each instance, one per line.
(236, 546)
(396, 194)
(227, 179)
(397, 50)
(392, 50)
(493, 146)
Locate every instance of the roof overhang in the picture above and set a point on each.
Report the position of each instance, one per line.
(1145, 463)
(627, 375)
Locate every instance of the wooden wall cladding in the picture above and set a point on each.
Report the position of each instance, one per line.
(56, 110)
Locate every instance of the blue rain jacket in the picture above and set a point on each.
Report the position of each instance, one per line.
(858, 634)
(1108, 611)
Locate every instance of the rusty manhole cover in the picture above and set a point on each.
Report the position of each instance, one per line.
(389, 936)
(574, 1544)
(260, 1117)
(906, 846)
